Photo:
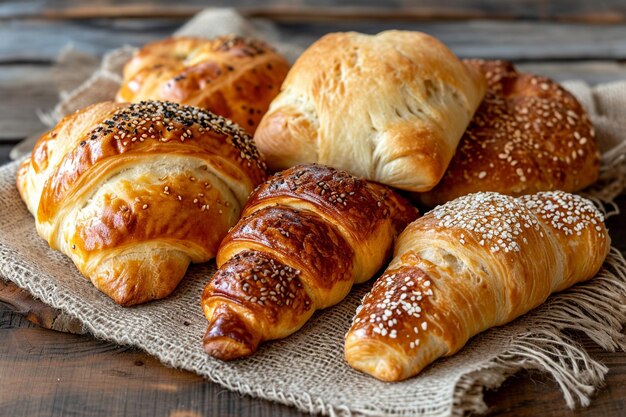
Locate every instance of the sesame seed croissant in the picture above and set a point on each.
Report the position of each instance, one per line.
(307, 235)
(476, 262)
(133, 193)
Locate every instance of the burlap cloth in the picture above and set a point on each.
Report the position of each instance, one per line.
(307, 369)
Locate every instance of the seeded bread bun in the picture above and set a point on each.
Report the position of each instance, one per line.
(528, 135)
(232, 76)
(133, 193)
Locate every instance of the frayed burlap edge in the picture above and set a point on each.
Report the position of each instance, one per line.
(611, 182)
(596, 309)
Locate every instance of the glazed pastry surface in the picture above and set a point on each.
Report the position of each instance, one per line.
(308, 234)
(133, 193)
(476, 262)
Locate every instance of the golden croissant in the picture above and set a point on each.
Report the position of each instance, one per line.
(133, 193)
(476, 262)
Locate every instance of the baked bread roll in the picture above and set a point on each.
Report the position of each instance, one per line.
(390, 108)
(133, 193)
(476, 262)
(232, 76)
(308, 234)
(528, 135)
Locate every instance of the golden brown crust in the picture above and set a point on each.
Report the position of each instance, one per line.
(321, 251)
(476, 262)
(251, 298)
(317, 223)
(134, 192)
(406, 316)
(351, 201)
(401, 211)
(232, 76)
(154, 213)
(149, 128)
(390, 108)
(528, 135)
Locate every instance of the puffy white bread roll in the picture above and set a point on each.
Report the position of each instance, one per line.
(390, 108)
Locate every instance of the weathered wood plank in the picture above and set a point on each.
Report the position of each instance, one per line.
(573, 10)
(76, 375)
(25, 89)
(9, 319)
(518, 41)
(35, 311)
(592, 72)
(42, 41)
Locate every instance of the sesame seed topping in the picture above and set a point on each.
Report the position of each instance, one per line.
(137, 121)
(525, 121)
(568, 213)
(500, 224)
(495, 219)
(266, 281)
(404, 295)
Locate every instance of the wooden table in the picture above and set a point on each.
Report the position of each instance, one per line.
(48, 373)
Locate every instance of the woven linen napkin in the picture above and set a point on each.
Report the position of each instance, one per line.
(307, 369)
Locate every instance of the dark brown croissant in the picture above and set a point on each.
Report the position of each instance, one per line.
(309, 234)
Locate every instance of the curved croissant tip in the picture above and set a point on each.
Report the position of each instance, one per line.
(228, 337)
(225, 348)
(376, 360)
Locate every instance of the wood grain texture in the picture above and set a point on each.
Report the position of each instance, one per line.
(26, 90)
(572, 10)
(20, 301)
(27, 41)
(488, 39)
(80, 376)
(32, 41)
